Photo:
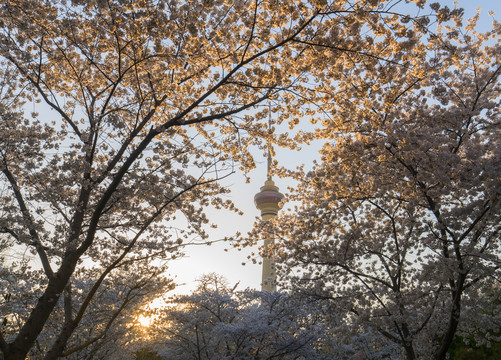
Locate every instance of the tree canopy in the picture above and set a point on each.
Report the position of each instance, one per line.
(398, 223)
(119, 118)
(220, 322)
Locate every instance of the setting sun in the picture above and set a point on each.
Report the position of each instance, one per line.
(144, 320)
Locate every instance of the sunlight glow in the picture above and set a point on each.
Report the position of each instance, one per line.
(144, 321)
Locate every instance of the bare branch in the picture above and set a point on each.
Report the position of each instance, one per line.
(29, 221)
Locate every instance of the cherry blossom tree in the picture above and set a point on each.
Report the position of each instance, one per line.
(399, 222)
(118, 118)
(110, 322)
(219, 322)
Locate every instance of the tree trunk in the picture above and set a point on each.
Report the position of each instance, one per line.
(453, 321)
(19, 348)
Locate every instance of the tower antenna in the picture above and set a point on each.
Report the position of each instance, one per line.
(269, 144)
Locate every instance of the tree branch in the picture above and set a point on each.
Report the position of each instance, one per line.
(29, 221)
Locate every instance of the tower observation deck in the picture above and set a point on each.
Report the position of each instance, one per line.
(268, 202)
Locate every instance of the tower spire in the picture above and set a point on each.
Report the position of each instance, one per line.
(268, 202)
(268, 168)
(269, 165)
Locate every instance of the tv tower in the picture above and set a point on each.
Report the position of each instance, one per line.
(268, 202)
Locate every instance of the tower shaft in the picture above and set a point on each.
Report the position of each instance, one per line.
(268, 201)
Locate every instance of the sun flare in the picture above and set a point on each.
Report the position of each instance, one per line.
(144, 321)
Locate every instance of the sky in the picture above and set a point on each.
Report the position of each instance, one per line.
(222, 258)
